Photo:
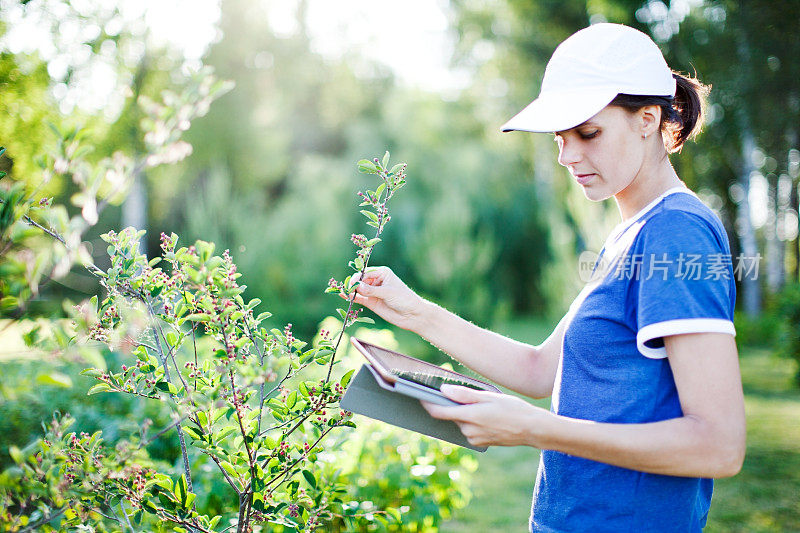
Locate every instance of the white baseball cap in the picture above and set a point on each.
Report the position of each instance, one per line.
(588, 70)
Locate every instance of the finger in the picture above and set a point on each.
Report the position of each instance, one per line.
(474, 434)
(442, 412)
(461, 394)
(374, 291)
(372, 276)
(358, 299)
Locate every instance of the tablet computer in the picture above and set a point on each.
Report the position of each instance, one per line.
(414, 377)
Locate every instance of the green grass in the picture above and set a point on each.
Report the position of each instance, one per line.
(763, 497)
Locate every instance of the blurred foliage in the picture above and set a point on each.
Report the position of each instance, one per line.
(788, 309)
(490, 226)
(761, 330)
(25, 108)
(461, 234)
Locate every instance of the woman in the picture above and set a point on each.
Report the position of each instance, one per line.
(647, 402)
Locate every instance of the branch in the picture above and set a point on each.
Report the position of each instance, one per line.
(186, 466)
(247, 495)
(228, 478)
(350, 306)
(42, 521)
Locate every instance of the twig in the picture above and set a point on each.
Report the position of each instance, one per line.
(224, 473)
(44, 520)
(246, 495)
(353, 297)
(186, 466)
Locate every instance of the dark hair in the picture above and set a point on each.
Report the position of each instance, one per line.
(681, 116)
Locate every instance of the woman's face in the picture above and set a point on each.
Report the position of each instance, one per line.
(606, 153)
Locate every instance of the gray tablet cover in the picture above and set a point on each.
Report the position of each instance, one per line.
(366, 395)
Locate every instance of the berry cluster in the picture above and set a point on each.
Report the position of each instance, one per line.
(359, 240)
(168, 242)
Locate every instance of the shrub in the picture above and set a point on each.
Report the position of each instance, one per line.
(238, 393)
(789, 331)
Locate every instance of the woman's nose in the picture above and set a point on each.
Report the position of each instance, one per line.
(568, 154)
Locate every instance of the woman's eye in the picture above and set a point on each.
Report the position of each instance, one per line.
(590, 135)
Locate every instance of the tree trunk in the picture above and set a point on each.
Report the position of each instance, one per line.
(751, 290)
(775, 246)
(795, 243)
(793, 172)
(134, 208)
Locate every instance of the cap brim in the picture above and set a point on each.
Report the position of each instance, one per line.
(560, 111)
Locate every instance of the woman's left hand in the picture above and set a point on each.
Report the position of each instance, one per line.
(491, 419)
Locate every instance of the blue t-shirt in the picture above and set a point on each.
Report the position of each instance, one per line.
(666, 271)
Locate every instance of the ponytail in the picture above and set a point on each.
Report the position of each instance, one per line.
(681, 116)
(688, 107)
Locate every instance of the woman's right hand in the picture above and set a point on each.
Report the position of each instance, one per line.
(386, 295)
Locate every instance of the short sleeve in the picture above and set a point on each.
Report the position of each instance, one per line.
(682, 280)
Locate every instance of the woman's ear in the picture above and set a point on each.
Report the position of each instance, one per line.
(650, 120)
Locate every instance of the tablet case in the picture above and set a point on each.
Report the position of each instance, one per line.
(370, 395)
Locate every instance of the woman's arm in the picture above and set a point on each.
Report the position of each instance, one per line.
(521, 367)
(529, 370)
(707, 441)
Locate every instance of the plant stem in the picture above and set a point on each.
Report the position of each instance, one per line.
(350, 301)
(186, 466)
(251, 461)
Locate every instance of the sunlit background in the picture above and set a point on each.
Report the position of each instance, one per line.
(488, 225)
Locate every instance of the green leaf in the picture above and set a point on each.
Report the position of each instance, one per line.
(385, 161)
(291, 400)
(366, 166)
(310, 478)
(394, 513)
(15, 454)
(258, 501)
(303, 389)
(100, 387)
(181, 490)
(224, 433)
(56, 379)
(167, 387)
(229, 469)
(141, 353)
(276, 406)
(92, 372)
(192, 432)
(370, 215)
(164, 481)
(189, 500)
(347, 377)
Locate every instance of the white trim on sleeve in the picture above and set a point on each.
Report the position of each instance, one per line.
(677, 327)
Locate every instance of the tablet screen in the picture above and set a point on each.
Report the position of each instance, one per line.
(420, 372)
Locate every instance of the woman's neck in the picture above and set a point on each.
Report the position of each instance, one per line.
(648, 185)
